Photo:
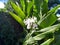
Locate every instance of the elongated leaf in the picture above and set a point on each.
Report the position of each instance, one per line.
(41, 35)
(57, 38)
(45, 6)
(29, 35)
(18, 10)
(17, 18)
(37, 8)
(41, 4)
(33, 39)
(37, 5)
(54, 10)
(49, 28)
(22, 2)
(29, 7)
(49, 19)
(47, 42)
(50, 31)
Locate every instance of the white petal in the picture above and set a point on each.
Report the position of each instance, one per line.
(28, 26)
(58, 15)
(32, 20)
(58, 19)
(35, 18)
(35, 26)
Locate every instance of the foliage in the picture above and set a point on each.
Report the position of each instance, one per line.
(45, 20)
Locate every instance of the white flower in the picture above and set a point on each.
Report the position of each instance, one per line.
(28, 26)
(31, 22)
(35, 26)
(35, 19)
(27, 21)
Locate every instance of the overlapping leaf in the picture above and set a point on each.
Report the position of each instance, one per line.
(17, 18)
(48, 41)
(42, 35)
(29, 7)
(49, 19)
(18, 10)
(22, 2)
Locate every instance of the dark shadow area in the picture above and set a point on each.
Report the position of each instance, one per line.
(11, 32)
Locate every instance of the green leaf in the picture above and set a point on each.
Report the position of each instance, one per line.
(49, 19)
(57, 38)
(53, 10)
(29, 35)
(37, 5)
(33, 39)
(45, 6)
(46, 1)
(47, 42)
(17, 18)
(41, 5)
(37, 8)
(49, 28)
(18, 10)
(22, 2)
(29, 7)
(41, 35)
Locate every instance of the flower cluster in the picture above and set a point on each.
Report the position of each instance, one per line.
(31, 23)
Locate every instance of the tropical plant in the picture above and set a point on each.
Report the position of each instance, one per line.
(38, 22)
